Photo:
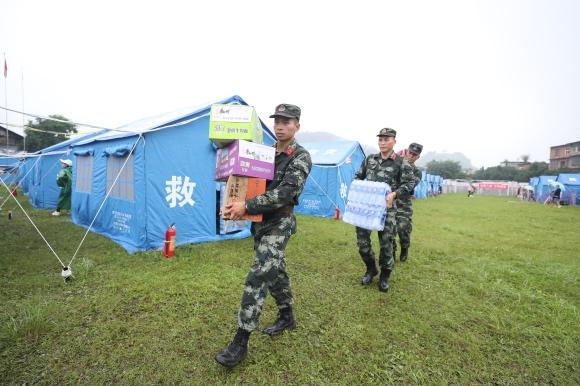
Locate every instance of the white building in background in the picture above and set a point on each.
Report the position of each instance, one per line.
(565, 156)
(11, 142)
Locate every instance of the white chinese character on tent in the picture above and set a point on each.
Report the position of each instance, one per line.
(179, 191)
(187, 191)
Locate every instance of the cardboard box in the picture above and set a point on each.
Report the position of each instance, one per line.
(230, 122)
(245, 188)
(223, 226)
(247, 159)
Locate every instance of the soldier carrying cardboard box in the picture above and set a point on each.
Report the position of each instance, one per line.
(268, 273)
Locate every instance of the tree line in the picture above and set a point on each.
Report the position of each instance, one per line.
(43, 133)
(452, 170)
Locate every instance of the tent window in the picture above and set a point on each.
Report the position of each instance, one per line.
(124, 188)
(84, 177)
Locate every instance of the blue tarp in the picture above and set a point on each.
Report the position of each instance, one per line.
(334, 164)
(168, 179)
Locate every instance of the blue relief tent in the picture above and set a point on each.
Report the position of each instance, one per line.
(9, 170)
(37, 175)
(164, 170)
(534, 181)
(438, 184)
(421, 188)
(543, 185)
(571, 183)
(428, 186)
(334, 164)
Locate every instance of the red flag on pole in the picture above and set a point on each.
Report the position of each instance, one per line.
(5, 69)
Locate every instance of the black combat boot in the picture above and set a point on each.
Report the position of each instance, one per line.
(370, 273)
(404, 254)
(236, 351)
(285, 321)
(384, 280)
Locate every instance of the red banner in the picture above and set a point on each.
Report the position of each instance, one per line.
(491, 185)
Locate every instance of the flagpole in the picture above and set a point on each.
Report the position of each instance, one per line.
(6, 98)
(23, 132)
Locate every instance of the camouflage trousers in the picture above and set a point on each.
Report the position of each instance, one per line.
(386, 239)
(268, 273)
(404, 219)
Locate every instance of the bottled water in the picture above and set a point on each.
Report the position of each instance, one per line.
(366, 205)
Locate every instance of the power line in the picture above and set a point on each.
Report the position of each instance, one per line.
(53, 119)
(41, 131)
(46, 131)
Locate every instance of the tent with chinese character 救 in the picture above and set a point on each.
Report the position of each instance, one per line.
(159, 171)
(334, 164)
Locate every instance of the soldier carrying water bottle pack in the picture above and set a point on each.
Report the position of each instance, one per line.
(385, 166)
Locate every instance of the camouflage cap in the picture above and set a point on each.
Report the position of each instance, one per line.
(286, 110)
(415, 148)
(386, 132)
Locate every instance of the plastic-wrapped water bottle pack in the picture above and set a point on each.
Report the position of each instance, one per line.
(366, 206)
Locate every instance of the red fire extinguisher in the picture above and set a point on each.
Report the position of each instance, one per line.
(169, 246)
(337, 213)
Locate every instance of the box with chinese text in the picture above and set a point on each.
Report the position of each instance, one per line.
(245, 188)
(227, 226)
(230, 122)
(243, 158)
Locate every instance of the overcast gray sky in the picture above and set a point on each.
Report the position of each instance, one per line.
(490, 79)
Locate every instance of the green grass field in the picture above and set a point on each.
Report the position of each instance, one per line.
(490, 295)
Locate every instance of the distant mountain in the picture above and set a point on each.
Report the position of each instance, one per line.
(316, 136)
(320, 136)
(435, 156)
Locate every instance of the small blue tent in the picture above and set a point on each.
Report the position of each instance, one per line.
(421, 187)
(572, 184)
(37, 175)
(438, 184)
(334, 164)
(159, 171)
(543, 187)
(428, 186)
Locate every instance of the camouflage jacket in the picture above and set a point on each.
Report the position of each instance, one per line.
(416, 179)
(290, 172)
(395, 171)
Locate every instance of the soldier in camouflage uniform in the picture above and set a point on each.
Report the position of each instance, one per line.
(404, 206)
(268, 273)
(388, 167)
